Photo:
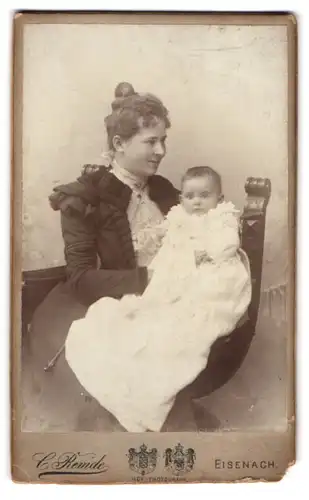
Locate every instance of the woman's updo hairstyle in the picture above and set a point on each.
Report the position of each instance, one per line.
(131, 110)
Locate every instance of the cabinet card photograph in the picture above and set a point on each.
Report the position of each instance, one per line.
(153, 247)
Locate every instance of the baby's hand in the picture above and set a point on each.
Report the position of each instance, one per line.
(201, 257)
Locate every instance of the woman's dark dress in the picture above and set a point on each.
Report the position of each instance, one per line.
(94, 226)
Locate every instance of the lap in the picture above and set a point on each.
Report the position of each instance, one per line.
(55, 399)
(56, 393)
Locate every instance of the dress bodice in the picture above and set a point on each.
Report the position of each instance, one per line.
(143, 216)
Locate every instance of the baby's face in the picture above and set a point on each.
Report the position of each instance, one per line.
(199, 195)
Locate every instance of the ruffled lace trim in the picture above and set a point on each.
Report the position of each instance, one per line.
(178, 215)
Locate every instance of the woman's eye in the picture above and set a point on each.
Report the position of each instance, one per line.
(153, 142)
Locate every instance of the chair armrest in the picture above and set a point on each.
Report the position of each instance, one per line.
(35, 287)
(258, 192)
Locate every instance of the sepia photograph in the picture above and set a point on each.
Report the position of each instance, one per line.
(154, 253)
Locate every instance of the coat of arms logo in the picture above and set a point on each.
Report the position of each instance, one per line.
(178, 460)
(143, 461)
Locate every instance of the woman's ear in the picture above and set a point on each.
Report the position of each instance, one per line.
(117, 143)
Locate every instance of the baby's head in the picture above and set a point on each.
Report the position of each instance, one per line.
(201, 190)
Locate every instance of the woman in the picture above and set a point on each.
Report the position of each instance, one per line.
(104, 215)
(103, 218)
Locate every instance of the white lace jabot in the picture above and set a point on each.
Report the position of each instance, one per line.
(143, 213)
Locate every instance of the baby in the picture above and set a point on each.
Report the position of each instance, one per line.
(141, 351)
(201, 191)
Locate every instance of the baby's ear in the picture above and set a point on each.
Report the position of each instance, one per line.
(221, 198)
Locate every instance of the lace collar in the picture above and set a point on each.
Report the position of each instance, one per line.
(133, 181)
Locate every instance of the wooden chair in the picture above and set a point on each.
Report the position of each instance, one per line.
(228, 353)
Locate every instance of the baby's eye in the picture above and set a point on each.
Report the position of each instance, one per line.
(205, 194)
(189, 196)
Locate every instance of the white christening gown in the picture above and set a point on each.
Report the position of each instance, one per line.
(136, 354)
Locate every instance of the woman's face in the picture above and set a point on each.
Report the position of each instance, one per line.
(141, 154)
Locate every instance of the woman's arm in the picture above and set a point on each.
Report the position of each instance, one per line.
(87, 282)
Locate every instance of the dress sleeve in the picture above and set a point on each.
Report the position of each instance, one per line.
(223, 239)
(86, 281)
